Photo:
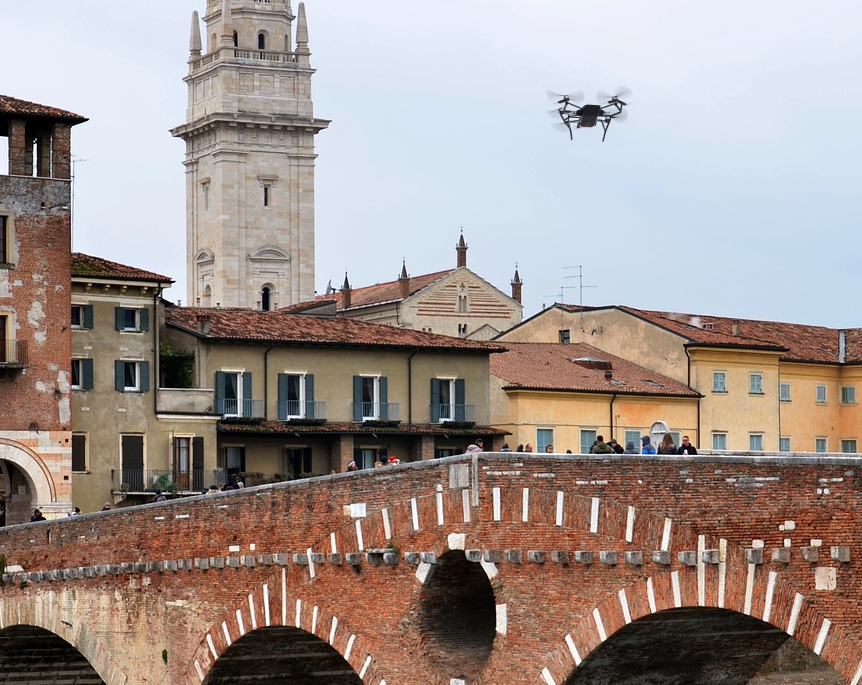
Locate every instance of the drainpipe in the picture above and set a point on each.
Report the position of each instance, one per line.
(266, 382)
(410, 387)
(157, 356)
(699, 394)
(613, 399)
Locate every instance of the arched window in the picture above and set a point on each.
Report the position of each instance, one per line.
(235, 39)
(261, 41)
(265, 298)
(208, 297)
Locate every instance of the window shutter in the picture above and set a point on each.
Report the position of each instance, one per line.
(309, 396)
(282, 396)
(145, 376)
(219, 408)
(460, 394)
(145, 319)
(357, 398)
(119, 383)
(197, 453)
(88, 316)
(86, 374)
(384, 398)
(306, 460)
(119, 318)
(246, 410)
(435, 400)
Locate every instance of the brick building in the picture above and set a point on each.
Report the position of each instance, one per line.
(35, 377)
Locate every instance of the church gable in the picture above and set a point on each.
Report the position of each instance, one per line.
(463, 294)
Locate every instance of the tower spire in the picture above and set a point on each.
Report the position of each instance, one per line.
(517, 284)
(302, 50)
(461, 250)
(195, 38)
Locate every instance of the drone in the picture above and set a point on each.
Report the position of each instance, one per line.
(571, 112)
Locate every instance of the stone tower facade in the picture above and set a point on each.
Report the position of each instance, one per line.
(249, 135)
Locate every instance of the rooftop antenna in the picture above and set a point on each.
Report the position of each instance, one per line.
(580, 286)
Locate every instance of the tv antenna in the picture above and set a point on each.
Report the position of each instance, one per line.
(580, 286)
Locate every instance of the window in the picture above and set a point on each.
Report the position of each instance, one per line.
(82, 316)
(719, 381)
(131, 319)
(132, 462)
(266, 196)
(261, 42)
(755, 442)
(370, 399)
(588, 438)
(131, 376)
(821, 394)
(719, 441)
(187, 462)
(299, 461)
(235, 39)
(820, 445)
(633, 437)
(565, 336)
(848, 394)
(265, 298)
(366, 456)
(296, 396)
(82, 374)
(234, 459)
(182, 460)
(848, 446)
(233, 393)
(784, 444)
(462, 304)
(462, 329)
(4, 240)
(755, 383)
(544, 438)
(784, 392)
(447, 400)
(79, 452)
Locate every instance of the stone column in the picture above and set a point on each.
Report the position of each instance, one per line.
(61, 151)
(18, 149)
(426, 447)
(343, 449)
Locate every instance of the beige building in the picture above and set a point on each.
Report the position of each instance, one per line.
(249, 136)
(567, 395)
(765, 385)
(454, 302)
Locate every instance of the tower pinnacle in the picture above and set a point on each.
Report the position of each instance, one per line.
(302, 36)
(195, 38)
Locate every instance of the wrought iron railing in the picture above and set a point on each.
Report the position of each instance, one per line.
(245, 409)
(453, 412)
(301, 410)
(377, 411)
(149, 480)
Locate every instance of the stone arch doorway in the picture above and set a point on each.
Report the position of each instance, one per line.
(24, 484)
(35, 655)
(685, 646)
(281, 654)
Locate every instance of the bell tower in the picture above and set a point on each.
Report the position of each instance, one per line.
(249, 136)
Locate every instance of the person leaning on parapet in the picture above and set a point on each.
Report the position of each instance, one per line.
(601, 447)
(666, 446)
(37, 516)
(686, 447)
(615, 446)
(549, 449)
(646, 445)
(477, 446)
(630, 448)
(160, 496)
(505, 447)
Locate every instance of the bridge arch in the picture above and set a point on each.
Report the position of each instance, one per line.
(270, 613)
(40, 617)
(20, 461)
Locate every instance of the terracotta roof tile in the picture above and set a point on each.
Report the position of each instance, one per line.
(277, 326)
(10, 105)
(87, 266)
(386, 292)
(551, 366)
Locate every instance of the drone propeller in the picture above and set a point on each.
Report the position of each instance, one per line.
(621, 117)
(621, 92)
(560, 127)
(555, 114)
(576, 97)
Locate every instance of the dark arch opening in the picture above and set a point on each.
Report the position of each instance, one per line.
(261, 41)
(691, 646)
(235, 39)
(33, 655)
(458, 616)
(265, 303)
(281, 654)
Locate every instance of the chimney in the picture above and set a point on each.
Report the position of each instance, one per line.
(461, 249)
(204, 323)
(516, 286)
(609, 375)
(737, 329)
(404, 282)
(345, 293)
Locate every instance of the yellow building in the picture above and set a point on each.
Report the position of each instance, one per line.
(765, 385)
(567, 396)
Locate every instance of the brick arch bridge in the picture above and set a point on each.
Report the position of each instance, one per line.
(546, 567)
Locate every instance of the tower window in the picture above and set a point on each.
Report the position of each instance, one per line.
(265, 298)
(261, 41)
(235, 39)
(266, 196)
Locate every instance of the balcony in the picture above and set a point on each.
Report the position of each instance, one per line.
(185, 400)
(143, 481)
(13, 354)
(269, 57)
(301, 411)
(377, 411)
(459, 413)
(240, 409)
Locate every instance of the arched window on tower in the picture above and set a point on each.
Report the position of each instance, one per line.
(261, 41)
(265, 298)
(235, 40)
(208, 297)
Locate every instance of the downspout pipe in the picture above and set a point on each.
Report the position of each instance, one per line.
(613, 399)
(156, 351)
(699, 395)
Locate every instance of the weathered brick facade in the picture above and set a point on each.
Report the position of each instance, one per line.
(542, 560)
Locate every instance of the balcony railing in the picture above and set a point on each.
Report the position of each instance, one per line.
(240, 409)
(139, 481)
(314, 411)
(465, 413)
(377, 411)
(13, 354)
(271, 57)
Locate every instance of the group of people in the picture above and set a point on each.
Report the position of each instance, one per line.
(667, 446)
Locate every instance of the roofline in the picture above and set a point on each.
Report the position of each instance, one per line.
(102, 279)
(740, 346)
(633, 393)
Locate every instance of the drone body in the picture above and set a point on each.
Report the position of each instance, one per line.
(587, 116)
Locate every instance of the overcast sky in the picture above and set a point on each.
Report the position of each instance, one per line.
(733, 188)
